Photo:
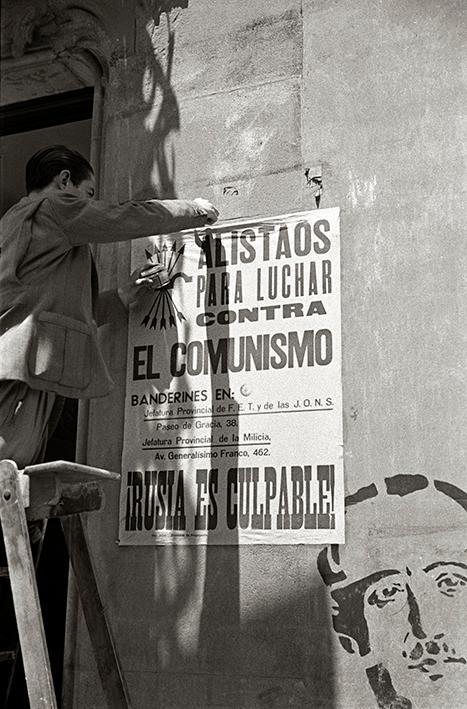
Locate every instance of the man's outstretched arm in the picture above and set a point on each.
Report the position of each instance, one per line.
(97, 221)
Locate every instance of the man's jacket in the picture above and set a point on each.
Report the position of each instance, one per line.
(48, 284)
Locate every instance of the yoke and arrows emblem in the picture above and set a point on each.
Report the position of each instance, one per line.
(163, 312)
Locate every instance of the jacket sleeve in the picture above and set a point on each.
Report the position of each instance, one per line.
(96, 221)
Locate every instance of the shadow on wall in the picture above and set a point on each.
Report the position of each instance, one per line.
(163, 117)
(399, 592)
(292, 646)
(181, 571)
(281, 654)
(220, 619)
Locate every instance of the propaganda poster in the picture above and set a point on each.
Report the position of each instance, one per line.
(233, 416)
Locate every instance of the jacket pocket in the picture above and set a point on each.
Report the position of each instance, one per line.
(61, 352)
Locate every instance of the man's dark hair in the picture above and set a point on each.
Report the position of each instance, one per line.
(44, 165)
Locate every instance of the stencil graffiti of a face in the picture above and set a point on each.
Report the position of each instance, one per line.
(399, 591)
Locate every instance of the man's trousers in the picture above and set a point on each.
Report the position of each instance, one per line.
(27, 419)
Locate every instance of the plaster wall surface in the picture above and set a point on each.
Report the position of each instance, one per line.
(212, 94)
(249, 95)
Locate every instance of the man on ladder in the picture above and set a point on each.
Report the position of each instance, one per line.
(50, 309)
(49, 302)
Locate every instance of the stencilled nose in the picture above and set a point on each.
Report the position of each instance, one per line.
(414, 616)
(425, 651)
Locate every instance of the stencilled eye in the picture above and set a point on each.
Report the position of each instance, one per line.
(451, 582)
(387, 593)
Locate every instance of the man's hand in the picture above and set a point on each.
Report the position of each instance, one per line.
(212, 212)
(141, 281)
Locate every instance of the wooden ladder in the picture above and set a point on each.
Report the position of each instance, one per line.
(57, 489)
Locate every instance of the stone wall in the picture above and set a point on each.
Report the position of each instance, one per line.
(206, 95)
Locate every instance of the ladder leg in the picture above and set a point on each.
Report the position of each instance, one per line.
(36, 555)
(24, 590)
(108, 665)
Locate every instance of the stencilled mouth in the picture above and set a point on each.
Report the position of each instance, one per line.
(432, 655)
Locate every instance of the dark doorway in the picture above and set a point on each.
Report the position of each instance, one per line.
(25, 128)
